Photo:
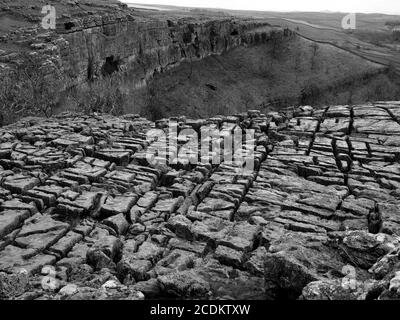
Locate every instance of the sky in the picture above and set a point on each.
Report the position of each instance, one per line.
(349, 6)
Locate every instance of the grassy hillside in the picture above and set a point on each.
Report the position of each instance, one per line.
(292, 73)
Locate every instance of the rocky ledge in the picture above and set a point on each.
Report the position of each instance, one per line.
(84, 216)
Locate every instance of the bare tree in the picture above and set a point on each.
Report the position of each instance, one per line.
(29, 88)
(191, 68)
(154, 106)
(277, 44)
(297, 63)
(104, 94)
(314, 52)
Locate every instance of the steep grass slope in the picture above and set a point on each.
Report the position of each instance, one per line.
(266, 76)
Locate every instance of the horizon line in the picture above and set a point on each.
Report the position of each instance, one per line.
(263, 10)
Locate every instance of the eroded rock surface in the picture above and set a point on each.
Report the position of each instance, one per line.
(84, 215)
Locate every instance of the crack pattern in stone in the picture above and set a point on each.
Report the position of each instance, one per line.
(84, 216)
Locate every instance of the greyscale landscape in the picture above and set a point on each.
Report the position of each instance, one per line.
(153, 152)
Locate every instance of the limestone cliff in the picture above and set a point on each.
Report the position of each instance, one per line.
(94, 37)
(100, 45)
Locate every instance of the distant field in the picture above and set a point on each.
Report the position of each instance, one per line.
(374, 22)
(347, 40)
(140, 6)
(371, 39)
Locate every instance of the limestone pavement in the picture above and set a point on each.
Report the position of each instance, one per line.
(84, 216)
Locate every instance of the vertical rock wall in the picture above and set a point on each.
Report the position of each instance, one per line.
(98, 45)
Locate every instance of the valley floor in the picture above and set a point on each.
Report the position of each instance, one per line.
(266, 77)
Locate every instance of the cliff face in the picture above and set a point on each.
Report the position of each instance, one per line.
(91, 41)
(101, 45)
